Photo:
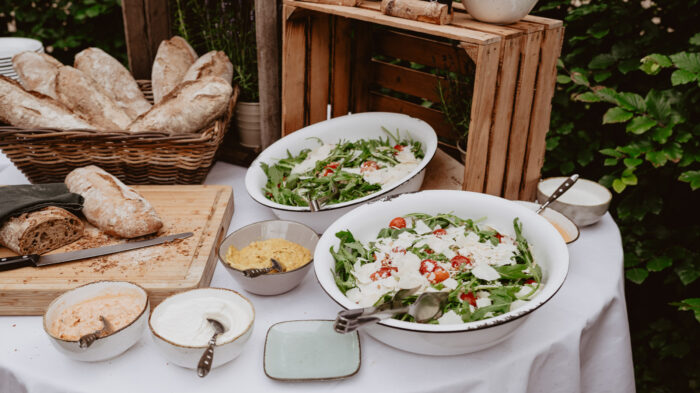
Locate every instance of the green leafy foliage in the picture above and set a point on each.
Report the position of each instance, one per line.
(67, 27)
(628, 98)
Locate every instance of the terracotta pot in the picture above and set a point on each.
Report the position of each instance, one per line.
(248, 122)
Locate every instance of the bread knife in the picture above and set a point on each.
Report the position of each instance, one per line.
(36, 260)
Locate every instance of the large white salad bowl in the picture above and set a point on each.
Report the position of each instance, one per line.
(547, 246)
(349, 128)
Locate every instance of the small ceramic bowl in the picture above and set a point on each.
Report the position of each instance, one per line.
(188, 356)
(566, 228)
(584, 203)
(105, 347)
(499, 12)
(273, 283)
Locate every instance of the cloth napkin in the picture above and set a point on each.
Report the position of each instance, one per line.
(26, 198)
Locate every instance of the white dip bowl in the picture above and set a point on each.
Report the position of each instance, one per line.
(548, 249)
(499, 12)
(584, 203)
(103, 347)
(226, 349)
(351, 127)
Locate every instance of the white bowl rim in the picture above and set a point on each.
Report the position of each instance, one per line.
(268, 203)
(594, 183)
(558, 214)
(474, 325)
(226, 264)
(145, 306)
(247, 329)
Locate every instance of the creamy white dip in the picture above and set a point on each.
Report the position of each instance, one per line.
(184, 322)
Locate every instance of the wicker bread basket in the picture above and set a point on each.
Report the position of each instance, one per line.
(47, 155)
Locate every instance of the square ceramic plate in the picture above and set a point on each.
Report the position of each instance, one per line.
(310, 351)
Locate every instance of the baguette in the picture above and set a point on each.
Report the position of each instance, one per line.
(110, 205)
(214, 63)
(173, 59)
(83, 95)
(37, 72)
(40, 231)
(114, 78)
(187, 109)
(28, 109)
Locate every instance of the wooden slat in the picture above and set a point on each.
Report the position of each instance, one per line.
(520, 124)
(549, 23)
(135, 29)
(541, 110)
(374, 16)
(361, 70)
(528, 19)
(268, 43)
(503, 111)
(319, 67)
(466, 21)
(384, 103)
(421, 50)
(341, 69)
(406, 80)
(158, 23)
(481, 114)
(293, 71)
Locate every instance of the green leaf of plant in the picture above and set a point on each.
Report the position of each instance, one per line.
(681, 77)
(607, 94)
(657, 158)
(579, 78)
(630, 180)
(658, 105)
(659, 263)
(640, 125)
(587, 97)
(673, 151)
(601, 61)
(687, 61)
(563, 79)
(632, 162)
(637, 275)
(661, 134)
(631, 101)
(687, 272)
(691, 304)
(610, 162)
(616, 115)
(692, 177)
(653, 63)
(601, 76)
(611, 152)
(628, 65)
(618, 185)
(695, 40)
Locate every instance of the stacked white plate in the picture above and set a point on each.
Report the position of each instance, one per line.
(10, 46)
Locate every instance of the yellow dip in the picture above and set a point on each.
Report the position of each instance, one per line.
(257, 255)
(119, 308)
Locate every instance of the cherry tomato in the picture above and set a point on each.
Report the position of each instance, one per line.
(439, 232)
(440, 275)
(427, 266)
(429, 251)
(399, 147)
(434, 272)
(530, 281)
(332, 165)
(368, 166)
(326, 172)
(399, 250)
(397, 223)
(468, 297)
(383, 272)
(499, 237)
(460, 260)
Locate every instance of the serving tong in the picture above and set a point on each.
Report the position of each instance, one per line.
(427, 306)
(318, 204)
(252, 273)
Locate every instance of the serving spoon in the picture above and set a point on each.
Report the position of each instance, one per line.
(204, 365)
(87, 340)
(563, 187)
(252, 273)
(427, 306)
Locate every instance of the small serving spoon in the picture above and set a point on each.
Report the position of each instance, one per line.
(563, 187)
(87, 340)
(318, 204)
(252, 273)
(428, 306)
(205, 362)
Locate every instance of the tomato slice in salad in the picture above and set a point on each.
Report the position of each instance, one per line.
(397, 223)
(383, 272)
(368, 166)
(468, 297)
(434, 272)
(399, 147)
(459, 260)
(439, 232)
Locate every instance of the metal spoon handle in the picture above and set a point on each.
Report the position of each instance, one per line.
(350, 320)
(560, 190)
(204, 365)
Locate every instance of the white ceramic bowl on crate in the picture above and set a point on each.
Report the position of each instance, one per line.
(351, 127)
(499, 12)
(548, 248)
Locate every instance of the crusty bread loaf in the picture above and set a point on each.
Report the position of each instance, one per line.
(37, 72)
(40, 231)
(30, 109)
(110, 205)
(173, 59)
(114, 78)
(83, 95)
(214, 63)
(189, 108)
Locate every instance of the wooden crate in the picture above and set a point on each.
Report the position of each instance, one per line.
(330, 57)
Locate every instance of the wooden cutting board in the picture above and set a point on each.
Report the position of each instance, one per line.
(205, 210)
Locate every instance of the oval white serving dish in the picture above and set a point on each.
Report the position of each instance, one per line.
(188, 356)
(548, 249)
(351, 127)
(102, 348)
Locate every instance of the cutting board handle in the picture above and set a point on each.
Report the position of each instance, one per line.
(9, 263)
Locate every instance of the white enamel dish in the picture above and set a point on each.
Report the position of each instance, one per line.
(351, 127)
(106, 347)
(548, 248)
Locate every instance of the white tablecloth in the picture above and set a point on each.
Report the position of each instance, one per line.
(577, 342)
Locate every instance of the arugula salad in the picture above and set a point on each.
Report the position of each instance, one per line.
(486, 273)
(342, 171)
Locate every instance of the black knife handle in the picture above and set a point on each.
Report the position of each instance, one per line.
(9, 263)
